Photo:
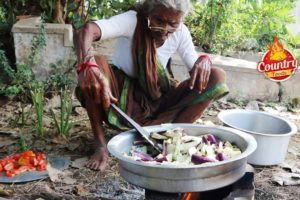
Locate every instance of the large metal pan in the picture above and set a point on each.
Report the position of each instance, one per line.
(177, 179)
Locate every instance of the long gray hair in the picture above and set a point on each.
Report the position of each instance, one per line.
(181, 5)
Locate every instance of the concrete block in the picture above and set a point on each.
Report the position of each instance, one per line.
(59, 48)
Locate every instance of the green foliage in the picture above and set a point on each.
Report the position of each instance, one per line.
(223, 25)
(37, 95)
(21, 118)
(78, 12)
(38, 43)
(63, 122)
(23, 143)
(19, 82)
(60, 79)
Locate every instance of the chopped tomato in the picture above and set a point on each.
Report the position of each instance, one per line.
(40, 156)
(28, 153)
(24, 161)
(41, 168)
(12, 173)
(9, 166)
(23, 169)
(33, 161)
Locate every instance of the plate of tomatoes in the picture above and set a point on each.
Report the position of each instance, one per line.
(29, 166)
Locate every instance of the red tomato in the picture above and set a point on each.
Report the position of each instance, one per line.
(12, 173)
(33, 161)
(1, 168)
(23, 169)
(40, 156)
(41, 168)
(9, 166)
(24, 161)
(28, 153)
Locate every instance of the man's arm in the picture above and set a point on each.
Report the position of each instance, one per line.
(83, 39)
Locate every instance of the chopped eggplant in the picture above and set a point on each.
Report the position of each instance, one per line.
(181, 149)
(199, 159)
(142, 156)
(221, 156)
(212, 139)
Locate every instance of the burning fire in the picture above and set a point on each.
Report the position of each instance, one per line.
(191, 196)
(277, 51)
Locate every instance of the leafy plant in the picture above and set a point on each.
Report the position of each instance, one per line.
(37, 95)
(15, 83)
(79, 11)
(23, 116)
(38, 43)
(23, 143)
(221, 25)
(60, 78)
(63, 122)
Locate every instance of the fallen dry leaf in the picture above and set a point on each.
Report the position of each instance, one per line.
(79, 163)
(81, 190)
(56, 175)
(53, 173)
(54, 102)
(291, 166)
(72, 146)
(5, 192)
(285, 179)
(6, 141)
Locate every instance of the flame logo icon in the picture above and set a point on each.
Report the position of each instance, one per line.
(276, 51)
(278, 63)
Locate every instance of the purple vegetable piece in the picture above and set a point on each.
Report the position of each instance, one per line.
(204, 140)
(142, 156)
(198, 159)
(212, 139)
(221, 156)
(161, 158)
(165, 149)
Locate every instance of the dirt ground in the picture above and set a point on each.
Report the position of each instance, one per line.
(77, 182)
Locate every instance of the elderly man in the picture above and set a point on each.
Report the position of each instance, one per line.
(137, 79)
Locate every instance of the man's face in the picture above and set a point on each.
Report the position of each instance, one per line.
(162, 22)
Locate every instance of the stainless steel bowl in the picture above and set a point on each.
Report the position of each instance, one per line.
(177, 179)
(271, 132)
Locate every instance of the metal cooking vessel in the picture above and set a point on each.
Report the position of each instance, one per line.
(182, 178)
(271, 132)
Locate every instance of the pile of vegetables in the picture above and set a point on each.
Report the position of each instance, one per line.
(180, 148)
(16, 164)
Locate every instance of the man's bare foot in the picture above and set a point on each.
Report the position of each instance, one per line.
(99, 160)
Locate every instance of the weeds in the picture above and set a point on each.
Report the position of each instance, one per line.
(63, 123)
(37, 95)
(23, 143)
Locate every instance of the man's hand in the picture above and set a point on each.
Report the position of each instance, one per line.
(94, 85)
(200, 73)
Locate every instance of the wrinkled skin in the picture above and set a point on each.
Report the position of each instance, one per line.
(95, 87)
(200, 74)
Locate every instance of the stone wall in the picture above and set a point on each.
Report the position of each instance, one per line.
(59, 47)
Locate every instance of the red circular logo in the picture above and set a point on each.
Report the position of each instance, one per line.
(278, 64)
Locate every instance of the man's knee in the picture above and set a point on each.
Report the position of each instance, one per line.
(218, 74)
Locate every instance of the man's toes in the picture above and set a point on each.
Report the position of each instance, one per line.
(102, 166)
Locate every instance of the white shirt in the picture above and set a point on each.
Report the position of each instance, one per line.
(122, 26)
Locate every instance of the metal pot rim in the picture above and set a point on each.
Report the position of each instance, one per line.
(248, 138)
(290, 124)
